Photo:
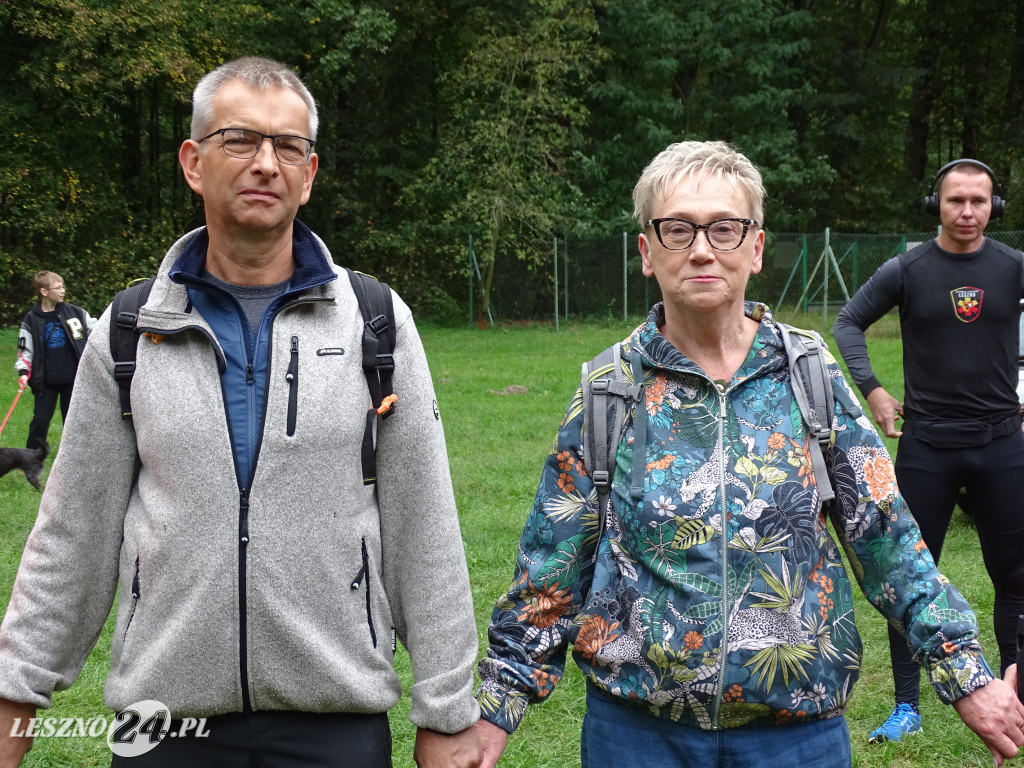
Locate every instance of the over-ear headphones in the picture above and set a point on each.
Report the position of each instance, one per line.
(931, 200)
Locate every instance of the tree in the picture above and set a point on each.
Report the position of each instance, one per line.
(515, 116)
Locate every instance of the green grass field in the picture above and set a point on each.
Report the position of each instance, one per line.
(502, 394)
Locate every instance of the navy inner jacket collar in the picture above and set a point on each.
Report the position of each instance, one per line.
(312, 267)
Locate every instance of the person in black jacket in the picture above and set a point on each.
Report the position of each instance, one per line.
(959, 306)
(50, 342)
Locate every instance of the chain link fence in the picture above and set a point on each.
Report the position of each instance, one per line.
(601, 277)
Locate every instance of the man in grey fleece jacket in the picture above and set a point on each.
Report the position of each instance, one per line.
(262, 583)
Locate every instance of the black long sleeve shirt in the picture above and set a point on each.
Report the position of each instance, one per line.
(959, 316)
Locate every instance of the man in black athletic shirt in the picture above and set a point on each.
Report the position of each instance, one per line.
(959, 303)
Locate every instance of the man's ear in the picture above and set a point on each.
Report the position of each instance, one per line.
(190, 159)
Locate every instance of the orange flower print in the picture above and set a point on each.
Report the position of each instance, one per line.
(776, 441)
(565, 461)
(949, 648)
(663, 463)
(656, 392)
(543, 610)
(565, 483)
(694, 640)
(919, 545)
(782, 716)
(545, 682)
(733, 694)
(596, 633)
(880, 477)
(797, 457)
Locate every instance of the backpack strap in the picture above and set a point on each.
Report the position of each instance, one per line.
(605, 390)
(379, 335)
(124, 338)
(812, 388)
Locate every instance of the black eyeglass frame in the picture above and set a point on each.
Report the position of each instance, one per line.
(273, 143)
(747, 224)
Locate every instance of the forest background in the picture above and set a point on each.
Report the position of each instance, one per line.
(514, 121)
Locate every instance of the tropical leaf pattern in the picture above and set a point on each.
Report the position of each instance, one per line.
(719, 599)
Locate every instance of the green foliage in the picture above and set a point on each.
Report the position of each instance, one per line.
(511, 121)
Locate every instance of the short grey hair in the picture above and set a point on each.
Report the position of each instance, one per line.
(686, 158)
(255, 72)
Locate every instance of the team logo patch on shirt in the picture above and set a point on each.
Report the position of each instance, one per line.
(967, 303)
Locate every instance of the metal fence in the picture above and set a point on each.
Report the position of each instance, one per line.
(601, 277)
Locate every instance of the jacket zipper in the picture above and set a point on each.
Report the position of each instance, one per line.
(724, 507)
(135, 599)
(364, 572)
(243, 622)
(243, 514)
(292, 377)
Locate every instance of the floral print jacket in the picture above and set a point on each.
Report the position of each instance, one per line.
(719, 599)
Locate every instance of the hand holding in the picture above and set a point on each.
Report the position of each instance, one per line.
(444, 750)
(14, 748)
(994, 713)
(494, 741)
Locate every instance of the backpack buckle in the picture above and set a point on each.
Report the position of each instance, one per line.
(378, 325)
(123, 371)
(127, 320)
(386, 363)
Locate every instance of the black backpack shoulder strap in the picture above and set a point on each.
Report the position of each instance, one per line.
(605, 391)
(812, 388)
(379, 334)
(124, 338)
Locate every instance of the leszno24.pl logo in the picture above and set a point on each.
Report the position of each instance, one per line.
(133, 731)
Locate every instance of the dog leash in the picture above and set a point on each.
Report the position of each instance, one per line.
(21, 388)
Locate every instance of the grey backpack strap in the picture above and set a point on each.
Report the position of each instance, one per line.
(812, 388)
(605, 390)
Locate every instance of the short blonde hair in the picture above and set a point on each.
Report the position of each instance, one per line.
(44, 279)
(687, 158)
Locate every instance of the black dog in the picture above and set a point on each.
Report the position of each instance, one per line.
(28, 460)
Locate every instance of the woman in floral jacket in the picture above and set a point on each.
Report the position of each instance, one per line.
(714, 606)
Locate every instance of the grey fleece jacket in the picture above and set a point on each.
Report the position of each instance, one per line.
(317, 627)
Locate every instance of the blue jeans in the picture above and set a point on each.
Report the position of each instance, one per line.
(621, 736)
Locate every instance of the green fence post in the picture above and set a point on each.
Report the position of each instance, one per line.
(803, 270)
(472, 262)
(565, 271)
(625, 278)
(556, 283)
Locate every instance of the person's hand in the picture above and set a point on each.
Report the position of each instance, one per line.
(994, 713)
(23, 381)
(14, 748)
(444, 750)
(1010, 676)
(884, 408)
(494, 741)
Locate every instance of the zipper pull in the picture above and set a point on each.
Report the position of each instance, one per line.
(358, 580)
(294, 363)
(243, 522)
(250, 377)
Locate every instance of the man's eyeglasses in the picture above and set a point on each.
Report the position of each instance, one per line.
(722, 234)
(244, 144)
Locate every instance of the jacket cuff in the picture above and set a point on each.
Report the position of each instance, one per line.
(959, 675)
(867, 387)
(501, 706)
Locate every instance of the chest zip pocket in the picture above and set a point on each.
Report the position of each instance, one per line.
(292, 377)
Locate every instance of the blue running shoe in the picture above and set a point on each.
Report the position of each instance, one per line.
(903, 721)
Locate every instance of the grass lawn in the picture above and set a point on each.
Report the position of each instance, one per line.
(502, 394)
